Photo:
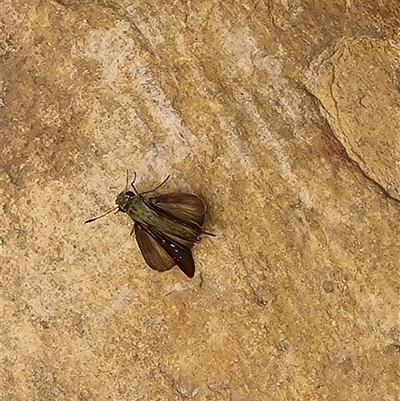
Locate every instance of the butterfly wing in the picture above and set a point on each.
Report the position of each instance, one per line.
(161, 252)
(152, 252)
(186, 208)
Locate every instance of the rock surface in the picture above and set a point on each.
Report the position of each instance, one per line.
(284, 117)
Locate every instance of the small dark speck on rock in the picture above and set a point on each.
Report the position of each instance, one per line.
(328, 286)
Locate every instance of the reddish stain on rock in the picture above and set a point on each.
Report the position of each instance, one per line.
(334, 151)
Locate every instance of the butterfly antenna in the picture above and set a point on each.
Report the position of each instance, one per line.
(99, 217)
(158, 186)
(132, 183)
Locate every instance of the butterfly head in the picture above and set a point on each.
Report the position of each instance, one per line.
(123, 200)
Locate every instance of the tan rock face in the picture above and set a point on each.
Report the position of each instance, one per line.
(284, 117)
(357, 84)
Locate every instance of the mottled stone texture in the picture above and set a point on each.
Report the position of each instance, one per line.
(284, 116)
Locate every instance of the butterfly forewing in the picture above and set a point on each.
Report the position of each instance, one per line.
(152, 252)
(168, 251)
(187, 208)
